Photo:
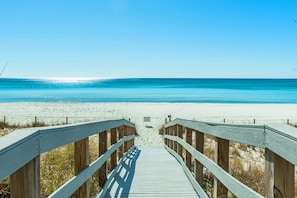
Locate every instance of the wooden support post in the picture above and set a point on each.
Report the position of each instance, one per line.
(113, 140)
(284, 183)
(67, 120)
(4, 121)
(180, 135)
(130, 132)
(35, 120)
(126, 143)
(199, 146)
(25, 182)
(102, 150)
(121, 148)
(175, 134)
(167, 133)
(189, 133)
(222, 159)
(81, 161)
(133, 133)
(269, 173)
(170, 133)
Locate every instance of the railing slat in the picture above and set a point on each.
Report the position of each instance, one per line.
(189, 133)
(199, 146)
(281, 145)
(236, 187)
(246, 134)
(81, 161)
(284, 181)
(25, 182)
(196, 186)
(269, 173)
(49, 140)
(221, 159)
(113, 140)
(12, 147)
(102, 150)
(68, 188)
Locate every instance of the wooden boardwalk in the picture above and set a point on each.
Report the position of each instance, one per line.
(150, 172)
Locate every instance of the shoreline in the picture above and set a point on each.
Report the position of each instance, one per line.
(53, 113)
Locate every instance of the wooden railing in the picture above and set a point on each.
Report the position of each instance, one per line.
(278, 140)
(20, 155)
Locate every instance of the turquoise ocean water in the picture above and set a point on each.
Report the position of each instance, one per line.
(149, 90)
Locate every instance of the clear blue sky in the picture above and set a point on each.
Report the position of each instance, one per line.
(149, 38)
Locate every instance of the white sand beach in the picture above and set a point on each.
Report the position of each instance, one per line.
(51, 113)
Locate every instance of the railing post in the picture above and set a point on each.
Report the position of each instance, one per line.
(121, 148)
(222, 159)
(133, 133)
(175, 134)
(130, 141)
(113, 140)
(284, 182)
(25, 182)
(126, 143)
(102, 150)
(81, 161)
(269, 173)
(189, 140)
(199, 146)
(170, 133)
(180, 135)
(165, 132)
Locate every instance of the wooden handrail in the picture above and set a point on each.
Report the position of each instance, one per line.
(20, 151)
(278, 140)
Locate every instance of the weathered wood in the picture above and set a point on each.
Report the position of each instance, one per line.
(165, 133)
(133, 133)
(74, 183)
(222, 159)
(189, 174)
(145, 175)
(174, 133)
(12, 149)
(130, 132)
(126, 143)
(81, 161)
(25, 182)
(284, 182)
(114, 172)
(282, 140)
(180, 135)
(247, 134)
(199, 146)
(189, 137)
(121, 148)
(269, 173)
(235, 186)
(49, 140)
(102, 150)
(113, 140)
(170, 142)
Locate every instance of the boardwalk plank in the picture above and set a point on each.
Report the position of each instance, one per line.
(151, 172)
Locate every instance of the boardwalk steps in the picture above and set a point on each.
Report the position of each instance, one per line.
(150, 172)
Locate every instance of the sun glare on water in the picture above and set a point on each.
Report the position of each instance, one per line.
(73, 80)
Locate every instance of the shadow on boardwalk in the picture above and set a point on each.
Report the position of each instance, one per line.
(123, 180)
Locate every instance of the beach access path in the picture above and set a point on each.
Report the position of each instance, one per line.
(145, 175)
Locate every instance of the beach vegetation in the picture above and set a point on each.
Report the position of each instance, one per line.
(162, 129)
